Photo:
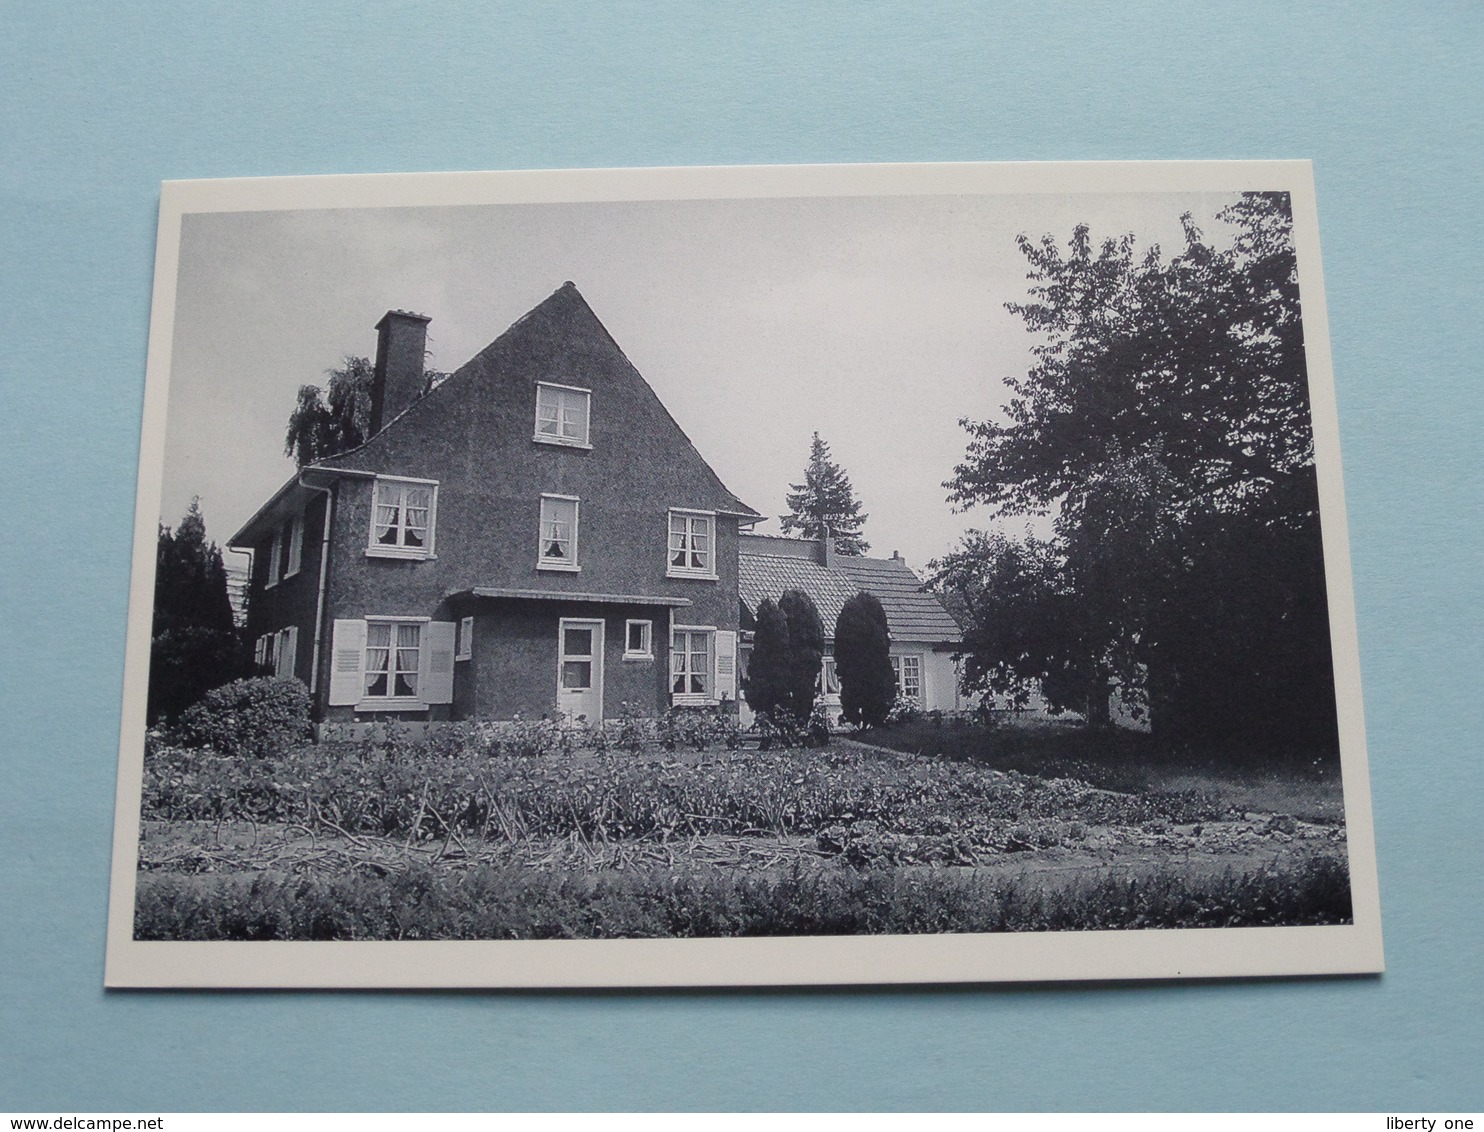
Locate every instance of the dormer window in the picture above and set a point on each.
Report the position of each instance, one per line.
(402, 518)
(562, 414)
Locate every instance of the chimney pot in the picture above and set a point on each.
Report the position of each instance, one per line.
(401, 343)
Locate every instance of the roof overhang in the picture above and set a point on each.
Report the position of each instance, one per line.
(509, 594)
(288, 501)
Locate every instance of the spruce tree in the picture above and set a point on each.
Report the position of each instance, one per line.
(195, 645)
(825, 500)
(868, 686)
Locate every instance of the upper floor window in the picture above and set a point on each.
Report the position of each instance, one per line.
(558, 534)
(562, 414)
(295, 546)
(692, 552)
(402, 518)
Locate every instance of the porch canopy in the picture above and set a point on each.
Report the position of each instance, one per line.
(567, 596)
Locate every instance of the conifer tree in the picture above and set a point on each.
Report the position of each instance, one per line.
(868, 686)
(805, 652)
(825, 500)
(766, 682)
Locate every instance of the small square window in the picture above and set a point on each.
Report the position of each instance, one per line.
(558, 534)
(639, 640)
(562, 415)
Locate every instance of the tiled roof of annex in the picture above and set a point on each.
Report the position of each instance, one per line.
(911, 613)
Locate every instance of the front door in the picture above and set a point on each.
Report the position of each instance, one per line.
(580, 669)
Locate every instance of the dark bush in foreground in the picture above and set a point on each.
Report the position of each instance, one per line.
(511, 903)
(258, 718)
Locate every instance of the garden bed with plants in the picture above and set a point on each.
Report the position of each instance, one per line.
(481, 833)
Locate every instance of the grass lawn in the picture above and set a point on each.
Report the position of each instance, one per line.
(947, 832)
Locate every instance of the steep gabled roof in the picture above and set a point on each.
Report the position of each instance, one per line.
(912, 613)
(563, 315)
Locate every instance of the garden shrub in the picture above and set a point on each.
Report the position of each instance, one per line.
(256, 718)
(863, 662)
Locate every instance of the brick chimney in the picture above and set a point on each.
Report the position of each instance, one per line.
(398, 381)
(826, 554)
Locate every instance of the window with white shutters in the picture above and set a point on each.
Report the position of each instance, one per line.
(391, 664)
(295, 547)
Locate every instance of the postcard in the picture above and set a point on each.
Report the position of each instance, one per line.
(741, 577)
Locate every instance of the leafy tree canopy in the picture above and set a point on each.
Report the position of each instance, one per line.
(825, 500)
(1164, 427)
(336, 418)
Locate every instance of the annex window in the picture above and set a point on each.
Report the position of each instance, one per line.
(562, 414)
(275, 559)
(464, 650)
(908, 670)
(393, 652)
(690, 665)
(277, 652)
(638, 640)
(558, 534)
(402, 518)
(295, 540)
(692, 546)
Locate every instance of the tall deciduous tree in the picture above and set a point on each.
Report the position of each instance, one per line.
(868, 686)
(336, 418)
(825, 501)
(195, 645)
(1164, 425)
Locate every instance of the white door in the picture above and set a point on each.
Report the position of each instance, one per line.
(580, 669)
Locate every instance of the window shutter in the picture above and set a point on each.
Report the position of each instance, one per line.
(466, 639)
(726, 664)
(436, 662)
(347, 662)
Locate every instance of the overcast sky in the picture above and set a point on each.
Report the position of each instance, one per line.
(876, 321)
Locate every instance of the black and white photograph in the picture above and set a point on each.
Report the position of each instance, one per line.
(741, 577)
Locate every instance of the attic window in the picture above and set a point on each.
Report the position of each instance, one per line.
(402, 518)
(562, 414)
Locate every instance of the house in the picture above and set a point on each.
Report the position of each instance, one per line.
(924, 635)
(533, 535)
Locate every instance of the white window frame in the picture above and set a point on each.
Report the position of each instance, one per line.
(689, 516)
(569, 564)
(689, 698)
(560, 437)
(465, 648)
(295, 527)
(275, 559)
(646, 651)
(899, 668)
(283, 655)
(263, 649)
(369, 702)
(376, 549)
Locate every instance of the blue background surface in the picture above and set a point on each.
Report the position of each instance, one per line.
(98, 105)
